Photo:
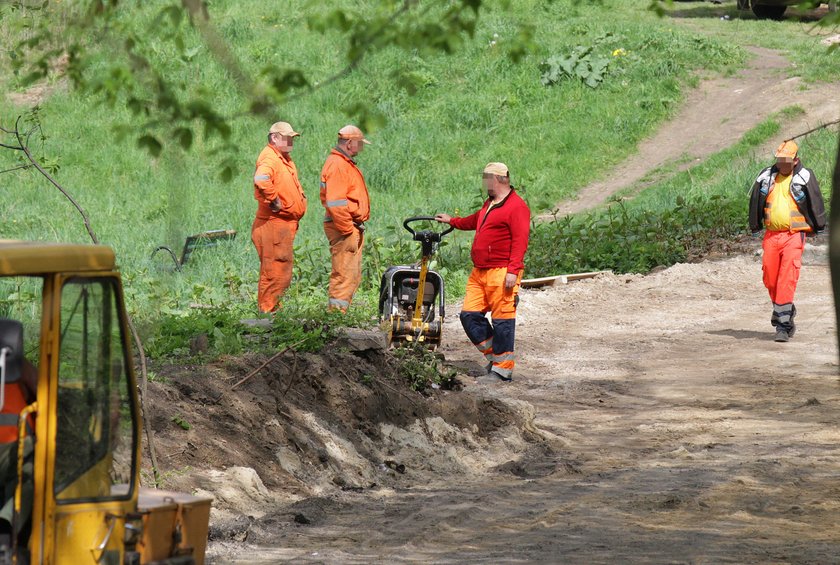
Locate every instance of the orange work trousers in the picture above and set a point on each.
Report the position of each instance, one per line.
(346, 275)
(781, 263)
(486, 292)
(274, 239)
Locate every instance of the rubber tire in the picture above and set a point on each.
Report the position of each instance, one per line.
(743, 4)
(765, 12)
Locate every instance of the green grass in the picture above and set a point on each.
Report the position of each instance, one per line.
(472, 107)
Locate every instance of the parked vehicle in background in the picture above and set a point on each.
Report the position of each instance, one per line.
(772, 9)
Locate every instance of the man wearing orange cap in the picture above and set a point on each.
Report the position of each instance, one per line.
(786, 202)
(502, 227)
(345, 198)
(281, 204)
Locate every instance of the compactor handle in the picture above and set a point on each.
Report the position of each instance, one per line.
(423, 219)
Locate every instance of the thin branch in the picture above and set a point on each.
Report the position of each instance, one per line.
(217, 45)
(264, 365)
(55, 184)
(356, 61)
(228, 60)
(144, 382)
(823, 126)
(16, 168)
(29, 134)
(16, 148)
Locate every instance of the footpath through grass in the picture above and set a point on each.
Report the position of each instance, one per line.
(472, 107)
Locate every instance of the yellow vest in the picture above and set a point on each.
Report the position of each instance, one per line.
(780, 211)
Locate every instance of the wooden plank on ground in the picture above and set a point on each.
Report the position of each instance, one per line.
(559, 279)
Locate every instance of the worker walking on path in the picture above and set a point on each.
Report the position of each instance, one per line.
(345, 198)
(281, 205)
(786, 201)
(502, 227)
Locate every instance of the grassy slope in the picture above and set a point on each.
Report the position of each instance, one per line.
(476, 106)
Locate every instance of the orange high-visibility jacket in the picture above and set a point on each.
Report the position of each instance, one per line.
(344, 193)
(277, 177)
(14, 403)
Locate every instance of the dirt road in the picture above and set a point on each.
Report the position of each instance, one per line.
(686, 436)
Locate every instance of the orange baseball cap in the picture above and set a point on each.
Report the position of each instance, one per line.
(788, 149)
(283, 128)
(352, 132)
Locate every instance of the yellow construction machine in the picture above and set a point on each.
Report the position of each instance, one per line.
(70, 487)
(409, 295)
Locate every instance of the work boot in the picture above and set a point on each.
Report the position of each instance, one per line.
(492, 378)
(782, 320)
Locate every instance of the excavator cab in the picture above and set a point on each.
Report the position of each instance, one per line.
(74, 468)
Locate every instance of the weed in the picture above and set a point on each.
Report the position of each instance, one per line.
(195, 331)
(422, 369)
(581, 64)
(165, 478)
(305, 321)
(181, 422)
(155, 378)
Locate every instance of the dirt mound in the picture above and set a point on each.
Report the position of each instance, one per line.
(689, 435)
(311, 427)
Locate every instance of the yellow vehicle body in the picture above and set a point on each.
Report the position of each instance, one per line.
(87, 506)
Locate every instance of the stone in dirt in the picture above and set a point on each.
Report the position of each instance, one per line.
(358, 340)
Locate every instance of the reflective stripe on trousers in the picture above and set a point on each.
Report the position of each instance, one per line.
(783, 315)
(499, 336)
(486, 293)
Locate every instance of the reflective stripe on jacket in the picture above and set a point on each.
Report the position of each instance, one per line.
(14, 402)
(344, 193)
(276, 176)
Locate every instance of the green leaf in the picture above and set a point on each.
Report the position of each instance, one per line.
(181, 422)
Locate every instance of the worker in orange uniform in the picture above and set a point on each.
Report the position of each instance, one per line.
(345, 198)
(281, 204)
(786, 202)
(19, 379)
(502, 227)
